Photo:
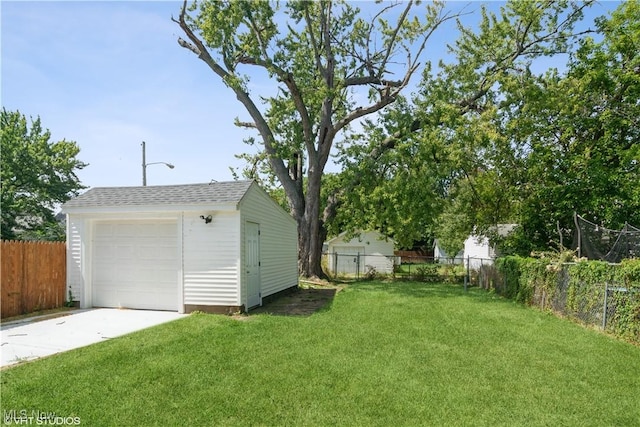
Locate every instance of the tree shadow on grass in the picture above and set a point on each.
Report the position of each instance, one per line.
(305, 302)
(302, 302)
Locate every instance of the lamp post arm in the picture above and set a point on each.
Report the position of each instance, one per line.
(145, 164)
(169, 165)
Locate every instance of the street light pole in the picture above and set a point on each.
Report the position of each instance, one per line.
(145, 164)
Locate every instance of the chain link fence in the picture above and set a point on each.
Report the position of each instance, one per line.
(359, 265)
(607, 303)
(601, 304)
(414, 267)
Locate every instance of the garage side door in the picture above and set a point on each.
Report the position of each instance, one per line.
(135, 265)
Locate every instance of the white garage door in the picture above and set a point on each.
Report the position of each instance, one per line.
(135, 265)
(348, 262)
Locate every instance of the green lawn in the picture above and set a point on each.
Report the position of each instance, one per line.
(400, 354)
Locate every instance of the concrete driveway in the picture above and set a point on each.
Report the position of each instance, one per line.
(31, 339)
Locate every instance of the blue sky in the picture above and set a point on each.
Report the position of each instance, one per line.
(110, 75)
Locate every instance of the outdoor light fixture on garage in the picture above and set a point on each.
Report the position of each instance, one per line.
(207, 219)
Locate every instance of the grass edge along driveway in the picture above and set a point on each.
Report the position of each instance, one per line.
(382, 354)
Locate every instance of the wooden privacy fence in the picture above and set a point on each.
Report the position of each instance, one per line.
(32, 276)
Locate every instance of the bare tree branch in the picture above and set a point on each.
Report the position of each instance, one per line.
(248, 125)
(370, 80)
(197, 46)
(387, 94)
(314, 44)
(394, 36)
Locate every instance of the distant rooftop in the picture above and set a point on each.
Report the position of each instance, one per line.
(214, 192)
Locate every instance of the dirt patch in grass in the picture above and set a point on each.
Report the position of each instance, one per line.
(303, 302)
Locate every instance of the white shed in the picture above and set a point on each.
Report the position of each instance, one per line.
(478, 250)
(359, 255)
(440, 255)
(218, 247)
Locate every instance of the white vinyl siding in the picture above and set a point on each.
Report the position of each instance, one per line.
(211, 259)
(477, 251)
(381, 263)
(207, 269)
(375, 252)
(278, 241)
(75, 281)
(348, 259)
(440, 255)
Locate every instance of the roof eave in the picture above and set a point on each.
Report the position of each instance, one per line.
(219, 206)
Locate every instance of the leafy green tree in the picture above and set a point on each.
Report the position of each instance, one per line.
(36, 177)
(487, 141)
(563, 142)
(443, 161)
(394, 191)
(330, 67)
(579, 131)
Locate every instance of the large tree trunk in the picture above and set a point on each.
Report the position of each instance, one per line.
(310, 248)
(311, 230)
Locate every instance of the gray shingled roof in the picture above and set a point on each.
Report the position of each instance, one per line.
(215, 192)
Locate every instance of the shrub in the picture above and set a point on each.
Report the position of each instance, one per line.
(510, 268)
(626, 322)
(370, 272)
(577, 289)
(427, 273)
(585, 294)
(453, 273)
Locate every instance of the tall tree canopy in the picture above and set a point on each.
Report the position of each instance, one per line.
(330, 67)
(580, 135)
(568, 141)
(499, 143)
(442, 163)
(37, 175)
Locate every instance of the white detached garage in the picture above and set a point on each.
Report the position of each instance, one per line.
(367, 251)
(218, 247)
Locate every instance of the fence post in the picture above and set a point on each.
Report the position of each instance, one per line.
(604, 310)
(466, 276)
(23, 278)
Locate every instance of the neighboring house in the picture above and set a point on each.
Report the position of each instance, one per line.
(477, 249)
(218, 247)
(441, 256)
(357, 256)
